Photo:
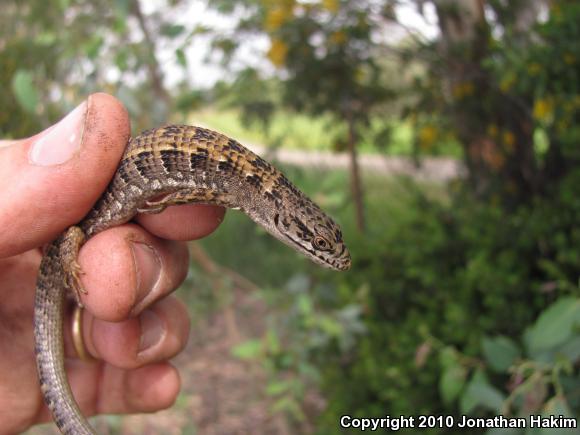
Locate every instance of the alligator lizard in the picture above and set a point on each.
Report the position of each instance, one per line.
(166, 166)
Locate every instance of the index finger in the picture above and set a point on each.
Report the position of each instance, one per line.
(183, 222)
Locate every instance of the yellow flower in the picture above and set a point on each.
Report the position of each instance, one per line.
(509, 140)
(534, 69)
(331, 5)
(359, 74)
(277, 53)
(543, 109)
(275, 18)
(284, 4)
(462, 90)
(507, 82)
(569, 58)
(338, 37)
(492, 130)
(562, 126)
(468, 88)
(457, 91)
(427, 135)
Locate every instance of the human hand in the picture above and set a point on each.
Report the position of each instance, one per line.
(130, 324)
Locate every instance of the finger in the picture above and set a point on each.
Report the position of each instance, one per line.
(159, 333)
(52, 179)
(126, 269)
(184, 222)
(105, 389)
(146, 389)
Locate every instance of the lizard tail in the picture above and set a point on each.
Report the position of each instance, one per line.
(49, 347)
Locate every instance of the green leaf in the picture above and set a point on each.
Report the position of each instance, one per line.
(288, 405)
(500, 352)
(452, 382)
(46, 38)
(250, 349)
(63, 4)
(448, 357)
(129, 99)
(571, 349)
(273, 342)
(93, 46)
(201, 29)
(299, 283)
(304, 304)
(330, 326)
(24, 90)
(556, 406)
(172, 30)
(276, 388)
(555, 325)
(120, 11)
(122, 59)
(480, 394)
(121, 8)
(181, 59)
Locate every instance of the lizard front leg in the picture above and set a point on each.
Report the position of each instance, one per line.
(185, 196)
(71, 244)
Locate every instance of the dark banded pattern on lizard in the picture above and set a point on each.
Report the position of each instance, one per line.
(166, 166)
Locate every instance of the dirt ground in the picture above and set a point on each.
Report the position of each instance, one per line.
(220, 393)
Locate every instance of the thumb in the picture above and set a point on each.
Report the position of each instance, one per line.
(51, 180)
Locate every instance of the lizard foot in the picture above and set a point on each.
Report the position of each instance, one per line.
(73, 239)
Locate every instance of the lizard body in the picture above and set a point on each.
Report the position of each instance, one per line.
(166, 166)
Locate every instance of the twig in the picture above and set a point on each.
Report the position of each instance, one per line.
(213, 268)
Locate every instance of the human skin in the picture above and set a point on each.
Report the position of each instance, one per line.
(132, 324)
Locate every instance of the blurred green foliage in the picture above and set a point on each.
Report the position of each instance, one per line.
(452, 306)
(57, 52)
(295, 130)
(508, 92)
(448, 278)
(468, 298)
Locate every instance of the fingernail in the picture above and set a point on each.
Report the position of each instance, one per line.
(60, 142)
(152, 330)
(148, 271)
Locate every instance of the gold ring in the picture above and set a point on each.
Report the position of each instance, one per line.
(77, 335)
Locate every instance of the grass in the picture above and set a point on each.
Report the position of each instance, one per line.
(299, 131)
(296, 131)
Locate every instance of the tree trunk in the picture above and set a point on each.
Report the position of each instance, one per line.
(355, 178)
(152, 63)
(501, 162)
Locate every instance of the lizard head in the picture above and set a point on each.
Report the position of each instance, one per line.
(284, 211)
(310, 231)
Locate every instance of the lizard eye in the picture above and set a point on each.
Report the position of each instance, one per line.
(321, 243)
